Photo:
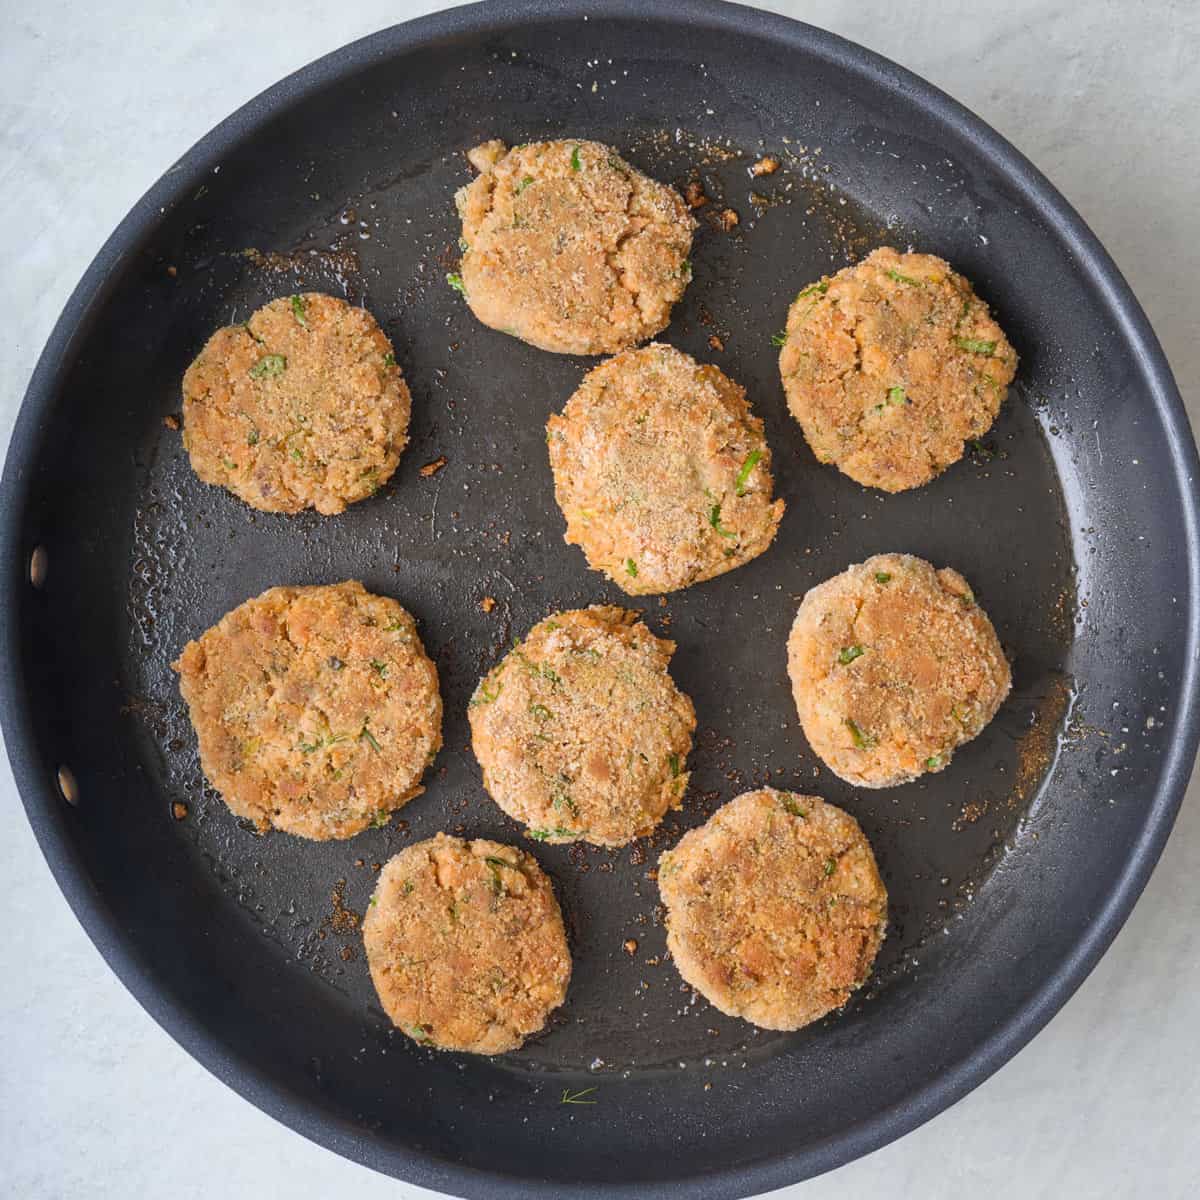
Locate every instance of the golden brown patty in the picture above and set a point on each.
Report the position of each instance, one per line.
(466, 945)
(570, 248)
(303, 406)
(893, 666)
(775, 908)
(891, 365)
(662, 472)
(581, 732)
(316, 708)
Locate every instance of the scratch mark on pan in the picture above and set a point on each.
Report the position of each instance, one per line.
(433, 533)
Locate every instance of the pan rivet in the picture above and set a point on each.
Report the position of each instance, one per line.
(68, 786)
(39, 564)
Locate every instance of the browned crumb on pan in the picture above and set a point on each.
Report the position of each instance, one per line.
(694, 194)
(432, 468)
(715, 343)
(767, 165)
(341, 261)
(171, 421)
(1038, 745)
(342, 919)
(488, 603)
(727, 218)
(179, 810)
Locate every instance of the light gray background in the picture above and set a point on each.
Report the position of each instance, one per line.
(97, 100)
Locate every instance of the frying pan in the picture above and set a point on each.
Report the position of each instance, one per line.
(1075, 521)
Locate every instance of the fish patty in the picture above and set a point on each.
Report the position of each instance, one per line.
(316, 708)
(662, 471)
(893, 667)
(302, 406)
(569, 248)
(466, 945)
(580, 731)
(891, 365)
(775, 908)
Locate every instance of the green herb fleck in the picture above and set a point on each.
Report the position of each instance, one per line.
(933, 762)
(792, 808)
(714, 519)
(483, 696)
(367, 736)
(523, 185)
(562, 799)
(379, 667)
(380, 819)
(975, 345)
(849, 654)
(780, 338)
(883, 577)
(576, 165)
(296, 454)
(861, 740)
(406, 890)
(570, 1097)
(673, 763)
(417, 1033)
(631, 567)
(455, 281)
(495, 865)
(299, 306)
(830, 866)
(543, 835)
(389, 359)
(814, 289)
(686, 269)
(897, 396)
(541, 712)
(743, 475)
(269, 364)
(892, 274)
(252, 438)
(373, 901)
(228, 464)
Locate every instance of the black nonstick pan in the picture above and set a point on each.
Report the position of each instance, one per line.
(1075, 521)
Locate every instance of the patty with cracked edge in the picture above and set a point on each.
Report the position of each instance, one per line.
(466, 945)
(891, 365)
(569, 248)
(316, 708)
(775, 908)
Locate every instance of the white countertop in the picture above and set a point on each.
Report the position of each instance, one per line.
(97, 100)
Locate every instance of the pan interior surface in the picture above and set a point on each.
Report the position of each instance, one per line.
(1070, 521)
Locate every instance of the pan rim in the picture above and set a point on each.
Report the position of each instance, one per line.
(34, 777)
